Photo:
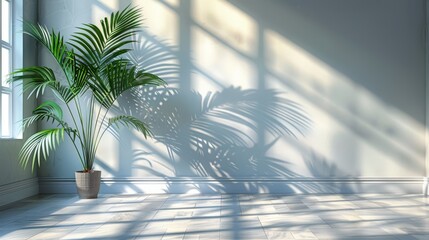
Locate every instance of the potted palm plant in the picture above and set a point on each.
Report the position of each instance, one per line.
(94, 72)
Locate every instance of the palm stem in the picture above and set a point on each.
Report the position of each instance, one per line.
(85, 139)
(77, 134)
(103, 120)
(98, 124)
(91, 126)
(77, 150)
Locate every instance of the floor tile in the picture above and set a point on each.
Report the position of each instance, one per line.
(224, 216)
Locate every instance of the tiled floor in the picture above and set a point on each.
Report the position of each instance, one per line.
(217, 217)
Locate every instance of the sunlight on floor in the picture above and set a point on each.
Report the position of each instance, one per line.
(227, 216)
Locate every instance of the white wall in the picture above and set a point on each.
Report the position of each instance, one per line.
(15, 182)
(237, 70)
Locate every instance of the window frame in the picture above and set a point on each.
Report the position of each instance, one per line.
(14, 90)
(6, 90)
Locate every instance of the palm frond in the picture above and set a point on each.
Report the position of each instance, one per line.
(54, 43)
(98, 46)
(120, 77)
(39, 146)
(129, 121)
(66, 58)
(94, 66)
(49, 111)
(36, 79)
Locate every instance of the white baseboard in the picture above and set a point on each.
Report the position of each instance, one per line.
(15, 191)
(176, 185)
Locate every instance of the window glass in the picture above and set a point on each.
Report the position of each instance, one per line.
(5, 20)
(5, 65)
(6, 90)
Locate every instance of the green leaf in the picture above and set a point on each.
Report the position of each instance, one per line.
(49, 111)
(130, 121)
(36, 79)
(99, 45)
(54, 42)
(118, 77)
(91, 61)
(39, 146)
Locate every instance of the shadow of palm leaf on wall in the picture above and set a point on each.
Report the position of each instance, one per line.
(220, 135)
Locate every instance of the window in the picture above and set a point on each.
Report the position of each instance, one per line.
(11, 56)
(5, 63)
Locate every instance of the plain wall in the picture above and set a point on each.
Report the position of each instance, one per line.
(16, 182)
(244, 76)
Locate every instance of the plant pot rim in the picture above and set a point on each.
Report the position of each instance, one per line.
(92, 171)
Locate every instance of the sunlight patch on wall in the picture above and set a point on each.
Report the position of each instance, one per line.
(351, 126)
(163, 21)
(219, 64)
(222, 55)
(238, 29)
(108, 151)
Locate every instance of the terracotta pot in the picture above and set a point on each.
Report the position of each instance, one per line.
(88, 184)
